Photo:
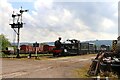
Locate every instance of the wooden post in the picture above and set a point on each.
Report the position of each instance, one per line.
(36, 52)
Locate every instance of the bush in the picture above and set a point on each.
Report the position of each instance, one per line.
(3, 55)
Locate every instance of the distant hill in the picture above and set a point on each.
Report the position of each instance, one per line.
(97, 42)
(50, 43)
(101, 42)
(27, 43)
(23, 43)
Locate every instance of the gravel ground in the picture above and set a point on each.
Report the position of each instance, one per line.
(62, 67)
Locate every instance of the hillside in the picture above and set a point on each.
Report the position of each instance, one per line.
(101, 42)
(97, 42)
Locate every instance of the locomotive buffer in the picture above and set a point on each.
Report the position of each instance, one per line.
(18, 25)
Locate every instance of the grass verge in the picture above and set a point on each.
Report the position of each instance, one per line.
(82, 72)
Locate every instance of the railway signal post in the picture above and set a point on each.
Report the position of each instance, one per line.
(17, 25)
(36, 45)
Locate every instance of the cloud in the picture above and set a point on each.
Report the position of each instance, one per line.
(41, 5)
(5, 10)
(107, 23)
(49, 20)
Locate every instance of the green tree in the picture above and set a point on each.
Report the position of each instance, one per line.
(4, 42)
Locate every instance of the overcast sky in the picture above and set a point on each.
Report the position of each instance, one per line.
(49, 19)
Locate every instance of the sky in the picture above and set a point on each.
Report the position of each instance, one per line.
(49, 19)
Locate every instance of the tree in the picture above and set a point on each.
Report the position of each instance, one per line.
(4, 42)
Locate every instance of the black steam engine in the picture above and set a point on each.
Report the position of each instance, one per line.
(74, 47)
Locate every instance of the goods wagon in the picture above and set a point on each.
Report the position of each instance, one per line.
(26, 49)
(50, 49)
(31, 49)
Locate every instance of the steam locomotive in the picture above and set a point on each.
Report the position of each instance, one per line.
(74, 47)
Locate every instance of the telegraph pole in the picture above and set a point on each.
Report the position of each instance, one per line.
(17, 25)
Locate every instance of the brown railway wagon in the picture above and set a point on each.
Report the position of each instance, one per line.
(51, 49)
(26, 49)
(40, 49)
